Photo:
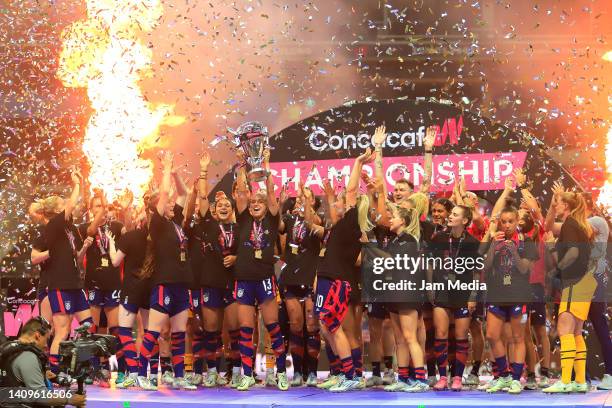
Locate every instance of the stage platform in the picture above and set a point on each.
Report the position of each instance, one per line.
(260, 397)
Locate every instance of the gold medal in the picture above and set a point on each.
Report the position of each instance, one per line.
(507, 280)
(322, 252)
(258, 254)
(104, 262)
(294, 249)
(183, 256)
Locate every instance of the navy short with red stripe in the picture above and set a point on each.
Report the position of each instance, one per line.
(170, 299)
(506, 312)
(217, 298)
(331, 302)
(68, 301)
(103, 298)
(255, 292)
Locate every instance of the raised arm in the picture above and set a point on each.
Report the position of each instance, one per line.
(203, 184)
(115, 256)
(430, 137)
(352, 190)
(549, 223)
(330, 197)
(378, 140)
(190, 205)
(503, 197)
(242, 190)
(181, 188)
(164, 188)
(127, 211)
(272, 203)
(74, 196)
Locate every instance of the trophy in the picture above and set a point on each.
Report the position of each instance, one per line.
(252, 138)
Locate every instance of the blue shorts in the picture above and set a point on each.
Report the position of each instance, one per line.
(170, 299)
(255, 292)
(217, 298)
(136, 297)
(195, 299)
(103, 298)
(331, 302)
(507, 312)
(68, 301)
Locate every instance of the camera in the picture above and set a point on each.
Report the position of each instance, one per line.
(76, 354)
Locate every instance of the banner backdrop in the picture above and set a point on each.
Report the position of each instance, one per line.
(325, 145)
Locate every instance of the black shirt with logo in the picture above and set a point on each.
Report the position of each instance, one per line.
(302, 248)
(342, 248)
(64, 242)
(256, 240)
(134, 245)
(170, 249)
(99, 270)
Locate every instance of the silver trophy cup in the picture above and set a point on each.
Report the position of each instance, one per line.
(252, 138)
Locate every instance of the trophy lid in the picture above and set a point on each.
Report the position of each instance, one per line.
(252, 129)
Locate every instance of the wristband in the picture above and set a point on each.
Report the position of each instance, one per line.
(428, 151)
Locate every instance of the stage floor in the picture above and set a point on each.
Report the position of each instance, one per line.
(259, 397)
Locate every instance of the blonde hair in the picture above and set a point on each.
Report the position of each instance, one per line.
(412, 225)
(421, 203)
(363, 213)
(578, 209)
(48, 206)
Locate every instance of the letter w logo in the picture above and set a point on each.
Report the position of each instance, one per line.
(451, 129)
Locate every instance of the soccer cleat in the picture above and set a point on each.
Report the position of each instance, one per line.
(606, 383)
(432, 380)
(581, 388)
(101, 380)
(167, 378)
(485, 385)
(153, 381)
(418, 386)
(558, 388)
(544, 382)
(442, 384)
(193, 378)
(312, 380)
(344, 384)
(389, 377)
(361, 383)
(471, 380)
(120, 378)
(129, 381)
(331, 381)
(500, 384)
(531, 383)
(144, 384)
(235, 381)
(282, 381)
(180, 383)
(515, 387)
(270, 380)
(297, 380)
(246, 382)
(374, 381)
(221, 381)
(211, 379)
(457, 385)
(398, 386)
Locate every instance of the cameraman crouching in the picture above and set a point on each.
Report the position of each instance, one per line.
(23, 364)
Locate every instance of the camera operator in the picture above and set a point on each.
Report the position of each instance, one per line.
(23, 364)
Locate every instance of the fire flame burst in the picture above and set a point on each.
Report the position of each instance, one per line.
(105, 55)
(605, 194)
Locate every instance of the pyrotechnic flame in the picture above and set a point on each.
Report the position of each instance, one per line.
(104, 54)
(605, 194)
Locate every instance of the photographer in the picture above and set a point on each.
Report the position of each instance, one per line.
(23, 364)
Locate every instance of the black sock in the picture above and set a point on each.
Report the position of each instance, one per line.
(376, 368)
(544, 371)
(389, 362)
(166, 364)
(476, 368)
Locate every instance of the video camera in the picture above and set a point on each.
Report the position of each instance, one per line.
(76, 354)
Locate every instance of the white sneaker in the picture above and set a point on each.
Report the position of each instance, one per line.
(389, 377)
(180, 383)
(374, 381)
(168, 378)
(144, 384)
(417, 386)
(344, 384)
(312, 380)
(606, 383)
(297, 380)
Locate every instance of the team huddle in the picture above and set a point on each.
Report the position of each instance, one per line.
(205, 275)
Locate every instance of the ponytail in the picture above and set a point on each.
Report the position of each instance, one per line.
(363, 213)
(578, 210)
